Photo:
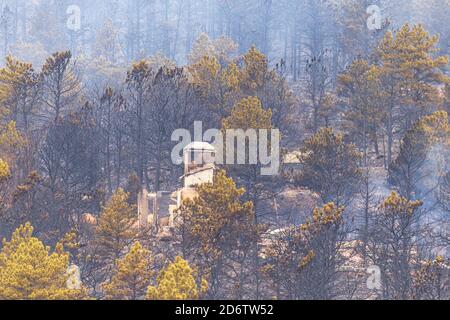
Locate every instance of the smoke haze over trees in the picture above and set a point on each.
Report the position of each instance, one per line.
(91, 92)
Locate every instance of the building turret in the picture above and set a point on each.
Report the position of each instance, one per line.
(199, 167)
(160, 209)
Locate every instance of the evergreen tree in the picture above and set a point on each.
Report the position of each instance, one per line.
(177, 282)
(302, 262)
(410, 70)
(359, 87)
(330, 167)
(29, 271)
(228, 238)
(393, 245)
(20, 92)
(11, 141)
(413, 165)
(116, 228)
(61, 84)
(430, 280)
(131, 276)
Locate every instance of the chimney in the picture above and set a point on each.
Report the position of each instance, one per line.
(143, 212)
